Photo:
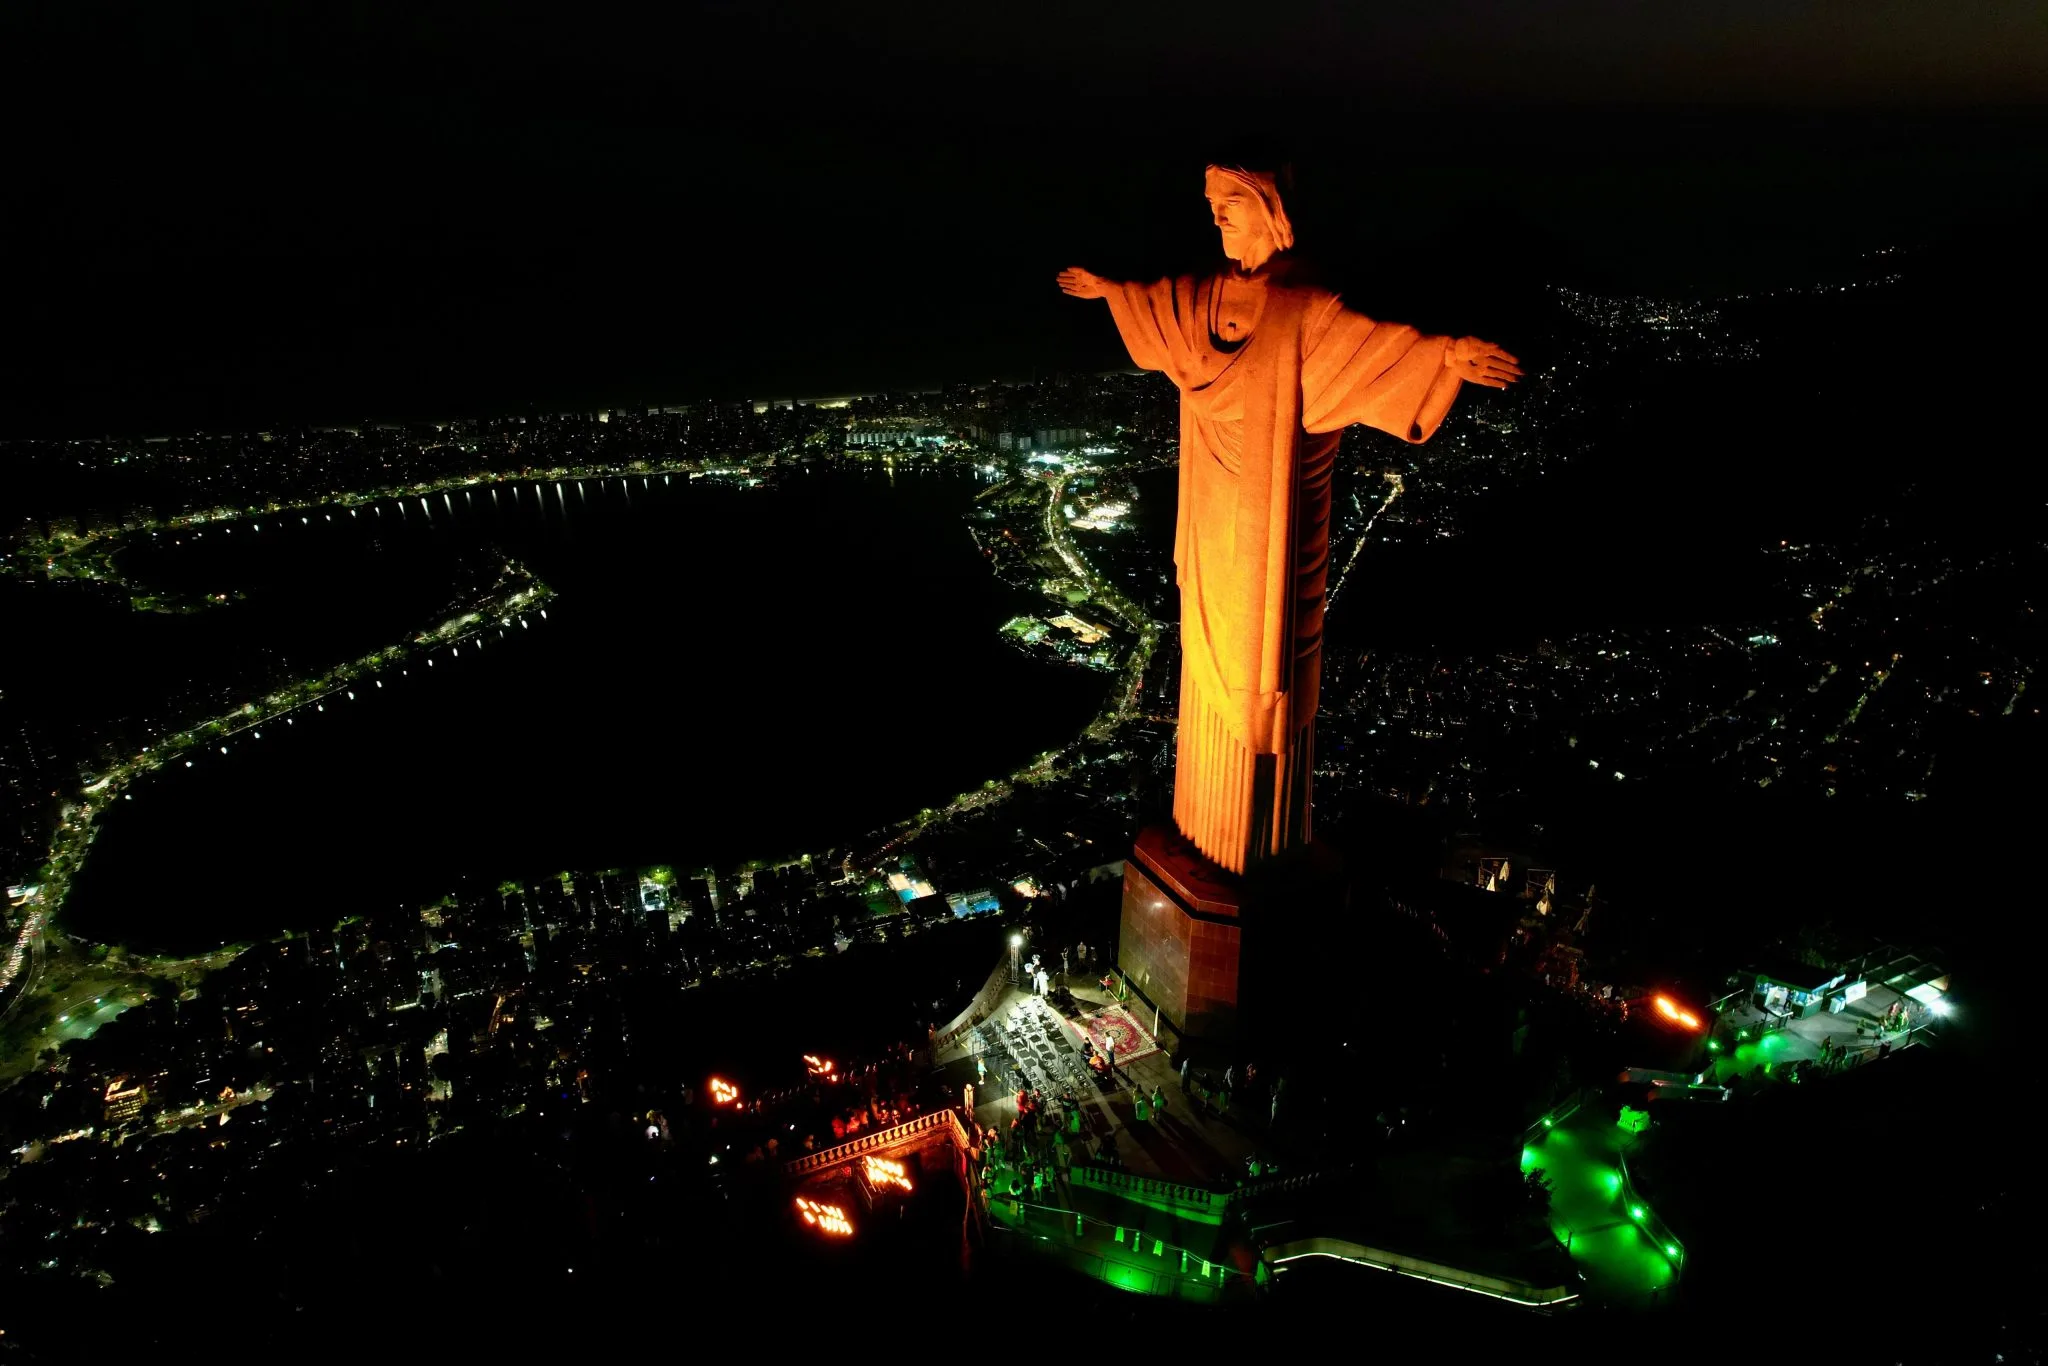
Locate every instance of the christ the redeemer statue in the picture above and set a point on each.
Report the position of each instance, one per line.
(1271, 369)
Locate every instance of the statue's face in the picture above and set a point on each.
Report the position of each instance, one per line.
(1239, 216)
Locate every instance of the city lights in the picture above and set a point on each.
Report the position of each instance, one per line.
(548, 955)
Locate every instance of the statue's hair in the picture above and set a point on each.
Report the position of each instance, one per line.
(1268, 185)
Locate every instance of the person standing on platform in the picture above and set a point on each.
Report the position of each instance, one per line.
(980, 1070)
(1158, 1103)
(1141, 1110)
(1183, 1073)
(1064, 968)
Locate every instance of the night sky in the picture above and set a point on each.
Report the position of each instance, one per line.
(233, 216)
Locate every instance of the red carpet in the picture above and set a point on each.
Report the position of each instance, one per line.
(1112, 1023)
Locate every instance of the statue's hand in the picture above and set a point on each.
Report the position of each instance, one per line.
(1482, 362)
(1083, 284)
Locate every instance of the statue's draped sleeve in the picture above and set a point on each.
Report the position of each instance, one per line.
(1154, 318)
(1157, 319)
(1386, 375)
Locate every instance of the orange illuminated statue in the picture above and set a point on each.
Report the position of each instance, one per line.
(1271, 369)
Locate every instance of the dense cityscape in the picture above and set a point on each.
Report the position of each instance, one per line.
(169, 1115)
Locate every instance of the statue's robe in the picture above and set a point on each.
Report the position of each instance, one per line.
(1260, 422)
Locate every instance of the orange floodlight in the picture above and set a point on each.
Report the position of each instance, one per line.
(821, 1067)
(824, 1218)
(1671, 1011)
(724, 1092)
(884, 1172)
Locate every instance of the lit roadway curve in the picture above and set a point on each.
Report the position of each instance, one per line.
(1122, 702)
(1394, 490)
(23, 964)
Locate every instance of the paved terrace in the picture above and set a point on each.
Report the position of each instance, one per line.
(1754, 1039)
(1188, 1146)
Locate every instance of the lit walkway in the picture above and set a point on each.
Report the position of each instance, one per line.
(1623, 1263)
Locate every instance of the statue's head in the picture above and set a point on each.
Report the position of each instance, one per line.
(1245, 206)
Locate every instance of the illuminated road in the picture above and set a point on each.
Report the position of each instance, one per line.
(1121, 706)
(199, 1114)
(73, 838)
(1394, 490)
(1100, 590)
(24, 958)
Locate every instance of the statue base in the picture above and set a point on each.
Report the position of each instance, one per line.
(1180, 941)
(1183, 935)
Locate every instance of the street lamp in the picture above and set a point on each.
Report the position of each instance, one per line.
(1937, 1009)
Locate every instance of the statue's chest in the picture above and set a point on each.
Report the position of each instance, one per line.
(1234, 308)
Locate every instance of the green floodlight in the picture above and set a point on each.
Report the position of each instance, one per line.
(1743, 1035)
(1670, 1249)
(1635, 1211)
(1713, 1045)
(1548, 1121)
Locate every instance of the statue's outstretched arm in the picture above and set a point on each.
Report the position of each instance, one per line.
(1144, 315)
(1482, 362)
(1083, 284)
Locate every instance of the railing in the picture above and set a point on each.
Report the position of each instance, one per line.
(1123, 1245)
(1558, 1114)
(1276, 1185)
(1649, 1221)
(880, 1138)
(980, 1008)
(1507, 1288)
(1194, 1199)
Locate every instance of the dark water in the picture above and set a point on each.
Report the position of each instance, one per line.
(727, 673)
(1565, 554)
